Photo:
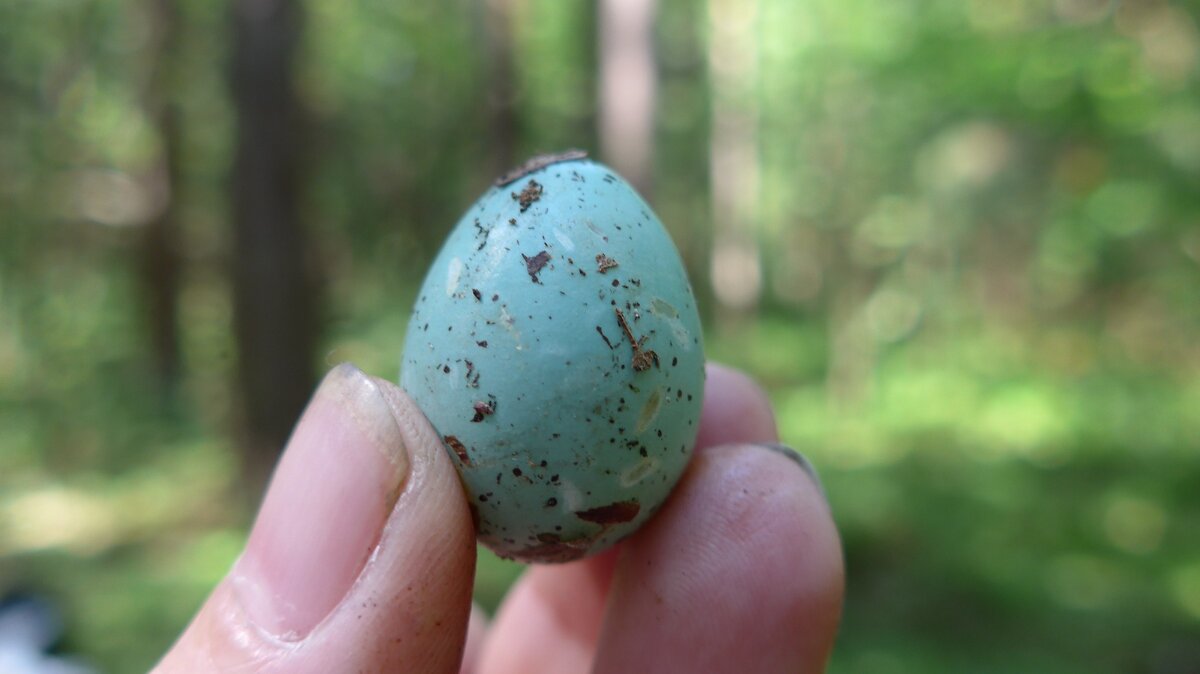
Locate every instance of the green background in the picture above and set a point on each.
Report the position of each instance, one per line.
(975, 227)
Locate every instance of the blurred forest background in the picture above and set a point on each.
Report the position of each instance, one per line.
(958, 240)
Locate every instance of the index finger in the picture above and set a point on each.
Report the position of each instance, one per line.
(740, 572)
(552, 619)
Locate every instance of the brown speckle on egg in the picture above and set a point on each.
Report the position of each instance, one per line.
(534, 264)
(604, 263)
(613, 513)
(483, 409)
(459, 450)
(537, 163)
(526, 197)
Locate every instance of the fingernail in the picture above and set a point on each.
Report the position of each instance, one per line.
(329, 498)
(800, 460)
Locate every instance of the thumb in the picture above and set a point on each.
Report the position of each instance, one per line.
(362, 555)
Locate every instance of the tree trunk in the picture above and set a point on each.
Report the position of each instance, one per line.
(274, 305)
(160, 257)
(736, 262)
(628, 88)
(503, 126)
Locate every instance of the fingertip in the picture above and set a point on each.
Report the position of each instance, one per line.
(551, 618)
(800, 460)
(477, 629)
(736, 409)
(741, 571)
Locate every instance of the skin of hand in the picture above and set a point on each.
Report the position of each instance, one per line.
(362, 559)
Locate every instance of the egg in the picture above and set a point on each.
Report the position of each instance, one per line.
(556, 348)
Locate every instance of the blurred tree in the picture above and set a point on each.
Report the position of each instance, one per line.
(628, 89)
(160, 258)
(683, 107)
(734, 163)
(503, 127)
(555, 49)
(274, 293)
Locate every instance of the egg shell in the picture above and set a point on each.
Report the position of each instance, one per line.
(556, 348)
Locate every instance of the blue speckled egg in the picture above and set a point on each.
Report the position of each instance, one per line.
(556, 348)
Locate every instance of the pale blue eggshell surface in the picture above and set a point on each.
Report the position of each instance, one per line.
(568, 436)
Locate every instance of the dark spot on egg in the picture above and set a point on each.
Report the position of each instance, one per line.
(604, 263)
(459, 450)
(526, 197)
(534, 264)
(483, 409)
(613, 513)
(537, 163)
(604, 337)
(551, 548)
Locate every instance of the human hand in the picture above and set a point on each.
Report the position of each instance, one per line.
(363, 555)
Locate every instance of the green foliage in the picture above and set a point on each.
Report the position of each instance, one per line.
(979, 231)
